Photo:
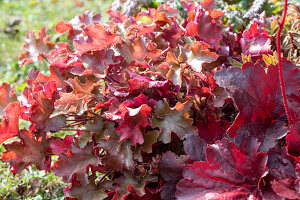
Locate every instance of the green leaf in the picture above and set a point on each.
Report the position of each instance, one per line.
(170, 120)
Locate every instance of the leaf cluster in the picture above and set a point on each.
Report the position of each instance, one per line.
(157, 104)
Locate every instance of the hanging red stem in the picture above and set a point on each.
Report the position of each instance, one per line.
(280, 63)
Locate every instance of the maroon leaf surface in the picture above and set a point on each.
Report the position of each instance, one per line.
(76, 162)
(231, 172)
(261, 112)
(119, 155)
(171, 169)
(134, 118)
(256, 41)
(202, 26)
(30, 150)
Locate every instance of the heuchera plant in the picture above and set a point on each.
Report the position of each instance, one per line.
(154, 108)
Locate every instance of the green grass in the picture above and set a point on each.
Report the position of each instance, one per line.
(30, 184)
(33, 14)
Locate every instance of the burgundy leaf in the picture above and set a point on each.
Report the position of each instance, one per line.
(30, 150)
(130, 183)
(286, 188)
(76, 162)
(256, 41)
(260, 114)
(211, 129)
(58, 145)
(293, 140)
(54, 124)
(133, 119)
(284, 170)
(171, 169)
(118, 154)
(231, 172)
(194, 147)
(202, 26)
(92, 191)
(98, 61)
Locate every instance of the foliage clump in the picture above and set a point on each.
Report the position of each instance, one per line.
(168, 103)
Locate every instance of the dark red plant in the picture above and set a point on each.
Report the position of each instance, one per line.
(151, 106)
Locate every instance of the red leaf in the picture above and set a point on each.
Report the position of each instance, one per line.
(139, 49)
(30, 150)
(202, 26)
(208, 4)
(62, 27)
(231, 172)
(212, 129)
(59, 145)
(133, 119)
(55, 76)
(293, 140)
(171, 169)
(76, 100)
(36, 48)
(70, 102)
(76, 25)
(9, 127)
(255, 93)
(256, 41)
(140, 29)
(7, 96)
(98, 38)
(61, 48)
(76, 162)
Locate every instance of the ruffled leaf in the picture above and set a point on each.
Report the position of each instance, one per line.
(170, 120)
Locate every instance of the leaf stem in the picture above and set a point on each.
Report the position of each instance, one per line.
(280, 63)
(75, 124)
(68, 129)
(103, 177)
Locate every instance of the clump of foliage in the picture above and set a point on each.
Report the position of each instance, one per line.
(167, 103)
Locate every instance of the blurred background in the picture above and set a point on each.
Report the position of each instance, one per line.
(17, 18)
